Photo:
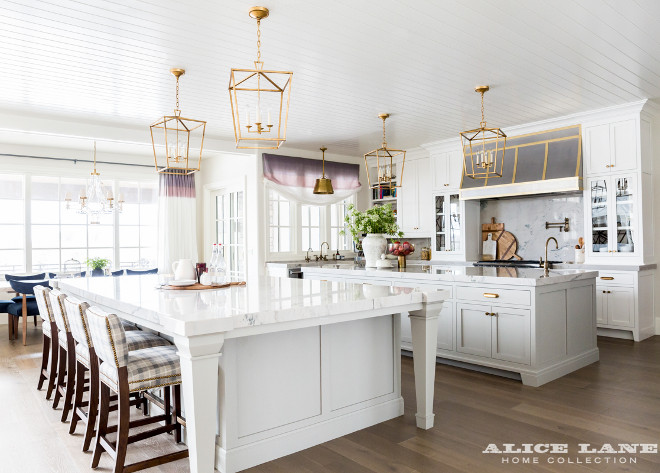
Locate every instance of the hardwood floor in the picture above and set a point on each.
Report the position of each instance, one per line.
(616, 400)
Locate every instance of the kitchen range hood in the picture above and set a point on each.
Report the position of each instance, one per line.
(548, 162)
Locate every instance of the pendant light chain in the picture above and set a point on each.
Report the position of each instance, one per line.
(483, 119)
(259, 40)
(95, 173)
(384, 140)
(177, 93)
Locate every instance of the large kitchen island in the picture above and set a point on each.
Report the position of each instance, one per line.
(512, 320)
(281, 364)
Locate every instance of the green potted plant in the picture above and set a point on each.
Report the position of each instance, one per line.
(97, 265)
(378, 223)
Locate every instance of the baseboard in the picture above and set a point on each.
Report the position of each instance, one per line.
(557, 370)
(265, 450)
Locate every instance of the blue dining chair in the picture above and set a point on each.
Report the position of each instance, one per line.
(132, 272)
(26, 307)
(15, 277)
(117, 273)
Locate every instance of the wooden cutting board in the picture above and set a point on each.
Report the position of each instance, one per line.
(507, 246)
(495, 228)
(198, 287)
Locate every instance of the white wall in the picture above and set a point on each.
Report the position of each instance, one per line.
(231, 168)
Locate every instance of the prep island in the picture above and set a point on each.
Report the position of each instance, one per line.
(280, 365)
(510, 319)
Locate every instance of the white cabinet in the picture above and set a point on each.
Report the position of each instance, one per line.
(451, 217)
(493, 332)
(446, 170)
(414, 213)
(610, 147)
(624, 302)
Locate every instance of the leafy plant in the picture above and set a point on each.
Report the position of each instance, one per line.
(97, 263)
(379, 219)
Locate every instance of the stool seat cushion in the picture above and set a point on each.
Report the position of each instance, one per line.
(4, 305)
(16, 308)
(128, 326)
(28, 297)
(135, 339)
(147, 368)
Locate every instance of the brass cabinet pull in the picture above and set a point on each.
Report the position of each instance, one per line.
(491, 314)
(488, 313)
(446, 185)
(607, 292)
(607, 278)
(491, 295)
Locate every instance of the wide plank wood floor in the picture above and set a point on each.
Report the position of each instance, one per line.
(616, 400)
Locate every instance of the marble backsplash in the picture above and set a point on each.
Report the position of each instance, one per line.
(525, 217)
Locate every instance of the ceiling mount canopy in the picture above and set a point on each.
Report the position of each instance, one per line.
(483, 147)
(385, 163)
(323, 185)
(175, 139)
(259, 100)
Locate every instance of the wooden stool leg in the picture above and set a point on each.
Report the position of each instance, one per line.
(61, 372)
(78, 398)
(10, 326)
(25, 316)
(176, 412)
(124, 421)
(54, 357)
(45, 353)
(102, 429)
(70, 378)
(15, 329)
(93, 401)
(167, 405)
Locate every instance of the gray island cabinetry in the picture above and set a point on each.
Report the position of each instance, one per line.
(503, 318)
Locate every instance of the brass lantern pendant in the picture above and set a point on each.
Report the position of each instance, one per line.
(259, 100)
(323, 184)
(483, 147)
(386, 163)
(176, 139)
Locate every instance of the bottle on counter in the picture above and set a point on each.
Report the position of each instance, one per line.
(219, 275)
(213, 261)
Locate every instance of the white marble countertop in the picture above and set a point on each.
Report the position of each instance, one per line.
(264, 300)
(512, 276)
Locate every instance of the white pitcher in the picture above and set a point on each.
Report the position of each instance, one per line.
(183, 269)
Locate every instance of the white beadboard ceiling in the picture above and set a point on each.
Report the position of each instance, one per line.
(107, 62)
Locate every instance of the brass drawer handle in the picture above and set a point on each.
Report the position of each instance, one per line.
(607, 278)
(491, 295)
(491, 314)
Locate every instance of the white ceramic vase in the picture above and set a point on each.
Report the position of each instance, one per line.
(373, 245)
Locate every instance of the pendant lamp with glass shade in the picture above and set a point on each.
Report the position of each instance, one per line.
(95, 198)
(483, 147)
(386, 162)
(323, 184)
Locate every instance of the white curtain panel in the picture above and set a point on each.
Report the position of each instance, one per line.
(177, 222)
(294, 178)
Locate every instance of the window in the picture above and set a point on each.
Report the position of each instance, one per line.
(279, 211)
(12, 227)
(138, 224)
(314, 224)
(60, 238)
(230, 230)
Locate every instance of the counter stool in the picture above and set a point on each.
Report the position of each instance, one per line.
(50, 343)
(24, 306)
(86, 360)
(124, 372)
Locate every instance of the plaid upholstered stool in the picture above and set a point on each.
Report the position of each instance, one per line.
(50, 343)
(66, 369)
(123, 371)
(86, 360)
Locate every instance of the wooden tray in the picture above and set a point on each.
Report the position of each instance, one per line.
(198, 287)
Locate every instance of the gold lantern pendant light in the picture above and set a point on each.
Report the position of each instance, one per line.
(483, 147)
(385, 161)
(259, 100)
(180, 137)
(323, 184)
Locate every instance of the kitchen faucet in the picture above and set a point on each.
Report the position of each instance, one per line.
(324, 258)
(307, 258)
(545, 264)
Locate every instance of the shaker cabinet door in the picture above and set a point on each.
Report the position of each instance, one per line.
(624, 146)
(621, 306)
(597, 149)
(511, 335)
(473, 329)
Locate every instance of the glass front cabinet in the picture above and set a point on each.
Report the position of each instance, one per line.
(613, 215)
(448, 224)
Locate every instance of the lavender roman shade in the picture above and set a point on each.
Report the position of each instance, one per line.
(294, 178)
